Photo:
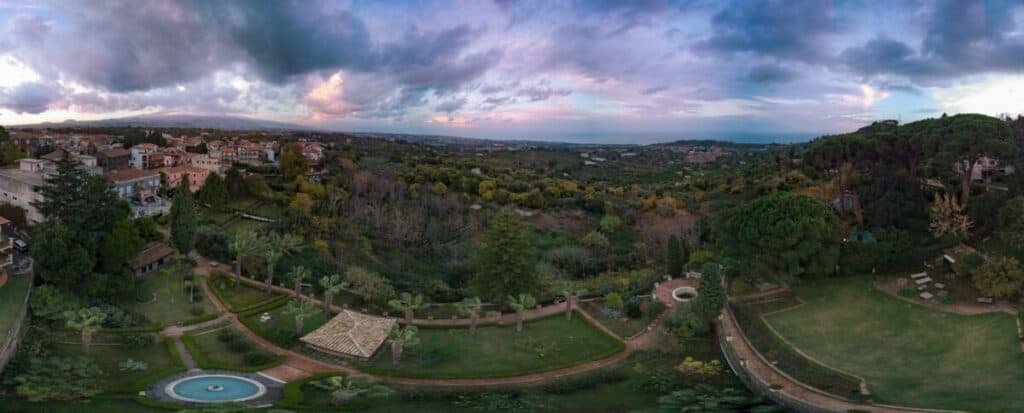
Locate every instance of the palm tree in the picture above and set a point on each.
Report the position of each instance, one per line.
(343, 389)
(300, 309)
(332, 284)
(87, 321)
(571, 294)
(402, 338)
(245, 243)
(297, 275)
(471, 307)
(408, 304)
(277, 246)
(521, 304)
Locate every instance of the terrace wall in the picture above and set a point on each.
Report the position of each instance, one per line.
(14, 333)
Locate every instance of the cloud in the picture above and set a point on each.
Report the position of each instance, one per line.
(451, 105)
(33, 97)
(962, 38)
(768, 73)
(791, 29)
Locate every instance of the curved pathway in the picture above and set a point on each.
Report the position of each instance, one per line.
(298, 366)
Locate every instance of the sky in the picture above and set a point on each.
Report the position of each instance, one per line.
(634, 71)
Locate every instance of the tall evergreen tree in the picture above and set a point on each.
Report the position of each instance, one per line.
(119, 246)
(235, 183)
(85, 203)
(184, 218)
(505, 263)
(673, 257)
(214, 191)
(710, 293)
(58, 258)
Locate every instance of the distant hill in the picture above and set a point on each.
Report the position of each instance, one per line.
(177, 121)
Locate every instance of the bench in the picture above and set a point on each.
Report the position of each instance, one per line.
(918, 275)
(927, 295)
(924, 280)
(986, 300)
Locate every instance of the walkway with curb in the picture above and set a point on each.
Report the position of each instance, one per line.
(298, 366)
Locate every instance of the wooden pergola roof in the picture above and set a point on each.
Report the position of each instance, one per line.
(351, 334)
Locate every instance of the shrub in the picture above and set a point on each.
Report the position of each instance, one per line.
(655, 308)
(613, 301)
(908, 293)
(609, 312)
(136, 340)
(633, 309)
(239, 346)
(585, 382)
(256, 358)
(196, 311)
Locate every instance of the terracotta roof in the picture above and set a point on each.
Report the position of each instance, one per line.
(150, 254)
(181, 169)
(115, 152)
(129, 174)
(351, 333)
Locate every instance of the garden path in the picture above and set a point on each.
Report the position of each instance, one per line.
(298, 366)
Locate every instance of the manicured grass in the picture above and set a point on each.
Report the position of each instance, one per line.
(909, 354)
(12, 296)
(243, 224)
(280, 329)
(241, 296)
(498, 351)
(212, 353)
(170, 307)
(109, 357)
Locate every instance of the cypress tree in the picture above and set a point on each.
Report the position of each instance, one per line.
(184, 218)
(710, 294)
(673, 257)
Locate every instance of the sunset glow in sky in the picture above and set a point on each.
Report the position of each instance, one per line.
(603, 71)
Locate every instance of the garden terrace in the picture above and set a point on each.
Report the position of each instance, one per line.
(350, 334)
(908, 354)
(222, 347)
(545, 344)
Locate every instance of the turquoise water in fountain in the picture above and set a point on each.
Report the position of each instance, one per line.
(215, 388)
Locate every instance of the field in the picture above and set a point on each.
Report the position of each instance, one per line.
(211, 351)
(498, 351)
(12, 296)
(167, 298)
(161, 363)
(908, 354)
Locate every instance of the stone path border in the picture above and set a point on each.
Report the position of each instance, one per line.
(298, 366)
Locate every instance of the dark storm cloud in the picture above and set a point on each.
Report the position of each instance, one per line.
(769, 73)
(33, 97)
(126, 46)
(282, 39)
(963, 37)
(791, 29)
(433, 59)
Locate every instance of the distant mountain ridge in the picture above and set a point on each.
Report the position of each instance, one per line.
(177, 121)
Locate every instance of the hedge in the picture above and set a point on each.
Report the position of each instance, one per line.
(205, 363)
(294, 396)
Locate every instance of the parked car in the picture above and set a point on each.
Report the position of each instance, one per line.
(20, 245)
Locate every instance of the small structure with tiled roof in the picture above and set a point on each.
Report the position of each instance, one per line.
(350, 334)
(150, 258)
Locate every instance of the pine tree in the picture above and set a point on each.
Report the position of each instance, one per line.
(85, 203)
(710, 293)
(673, 257)
(505, 263)
(184, 218)
(214, 191)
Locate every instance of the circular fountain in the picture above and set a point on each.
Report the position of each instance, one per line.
(684, 294)
(215, 388)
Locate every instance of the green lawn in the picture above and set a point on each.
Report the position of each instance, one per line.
(909, 354)
(12, 296)
(109, 357)
(215, 353)
(171, 304)
(280, 329)
(243, 224)
(497, 351)
(241, 296)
